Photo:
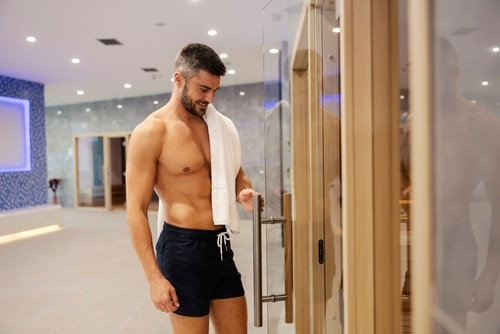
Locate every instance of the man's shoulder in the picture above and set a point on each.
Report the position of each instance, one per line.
(152, 128)
(481, 116)
(150, 124)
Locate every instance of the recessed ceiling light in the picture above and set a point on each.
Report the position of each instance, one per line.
(119, 106)
(242, 93)
(88, 109)
(75, 60)
(485, 83)
(212, 32)
(127, 85)
(80, 92)
(274, 50)
(31, 39)
(155, 102)
(495, 49)
(223, 55)
(231, 72)
(59, 112)
(401, 97)
(336, 30)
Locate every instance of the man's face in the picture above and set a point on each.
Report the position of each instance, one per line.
(199, 91)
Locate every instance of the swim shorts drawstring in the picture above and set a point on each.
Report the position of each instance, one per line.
(222, 237)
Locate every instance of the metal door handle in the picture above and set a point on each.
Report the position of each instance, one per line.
(257, 259)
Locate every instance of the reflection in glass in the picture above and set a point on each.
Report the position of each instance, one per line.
(90, 171)
(466, 167)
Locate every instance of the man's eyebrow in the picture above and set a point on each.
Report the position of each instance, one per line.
(209, 88)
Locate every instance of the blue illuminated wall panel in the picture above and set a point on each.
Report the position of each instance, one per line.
(26, 187)
(15, 154)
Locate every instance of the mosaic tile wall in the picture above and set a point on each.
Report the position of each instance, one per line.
(25, 189)
(63, 122)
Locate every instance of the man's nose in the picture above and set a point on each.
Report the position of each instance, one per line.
(210, 97)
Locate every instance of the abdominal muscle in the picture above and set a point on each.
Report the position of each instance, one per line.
(187, 201)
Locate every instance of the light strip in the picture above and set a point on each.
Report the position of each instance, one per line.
(29, 233)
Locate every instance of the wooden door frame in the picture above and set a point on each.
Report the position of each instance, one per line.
(370, 166)
(421, 85)
(305, 88)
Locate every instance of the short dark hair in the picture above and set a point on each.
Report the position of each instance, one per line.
(195, 57)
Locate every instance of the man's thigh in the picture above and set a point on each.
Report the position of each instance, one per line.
(189, 325)
(229, 315)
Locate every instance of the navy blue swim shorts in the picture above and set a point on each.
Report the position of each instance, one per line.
(200, 266)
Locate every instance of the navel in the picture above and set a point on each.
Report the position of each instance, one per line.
(186, 169)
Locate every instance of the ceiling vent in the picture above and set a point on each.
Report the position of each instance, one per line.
(109, 41)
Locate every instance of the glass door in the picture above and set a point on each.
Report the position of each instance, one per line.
(455, 133)
(89, 169)
(100, 170)
(302, 157)
(117, 145)
(277, 16)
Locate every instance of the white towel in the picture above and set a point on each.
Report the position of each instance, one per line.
(160, 220)
(225, 157)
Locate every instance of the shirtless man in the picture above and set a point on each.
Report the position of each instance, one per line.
(467, 154)
(191, 277)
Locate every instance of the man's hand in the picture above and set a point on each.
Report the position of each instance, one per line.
(164, 296)
(245, 197)
(482, 294)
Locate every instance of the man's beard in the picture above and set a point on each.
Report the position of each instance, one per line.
(190, 105)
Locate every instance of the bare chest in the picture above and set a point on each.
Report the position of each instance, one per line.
(457, 158)
(186, 150)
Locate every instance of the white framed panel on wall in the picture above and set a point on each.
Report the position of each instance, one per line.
(15, 138)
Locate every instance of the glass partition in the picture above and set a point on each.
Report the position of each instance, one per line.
(277, 16)
(90, 164)
(466, 137)
(331, 178)
(314, 62)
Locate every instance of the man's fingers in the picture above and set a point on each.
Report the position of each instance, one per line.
(174, 300)
(166, 302)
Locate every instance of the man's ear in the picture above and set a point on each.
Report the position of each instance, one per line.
(177, 78)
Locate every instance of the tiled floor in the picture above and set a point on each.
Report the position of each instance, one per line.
(86, 279)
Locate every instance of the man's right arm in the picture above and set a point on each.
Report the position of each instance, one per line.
(144, 149)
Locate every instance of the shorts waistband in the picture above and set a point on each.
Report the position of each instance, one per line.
(192, 234)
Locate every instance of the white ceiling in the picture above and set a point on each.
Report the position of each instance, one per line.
(473, 27)
(151, 33)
